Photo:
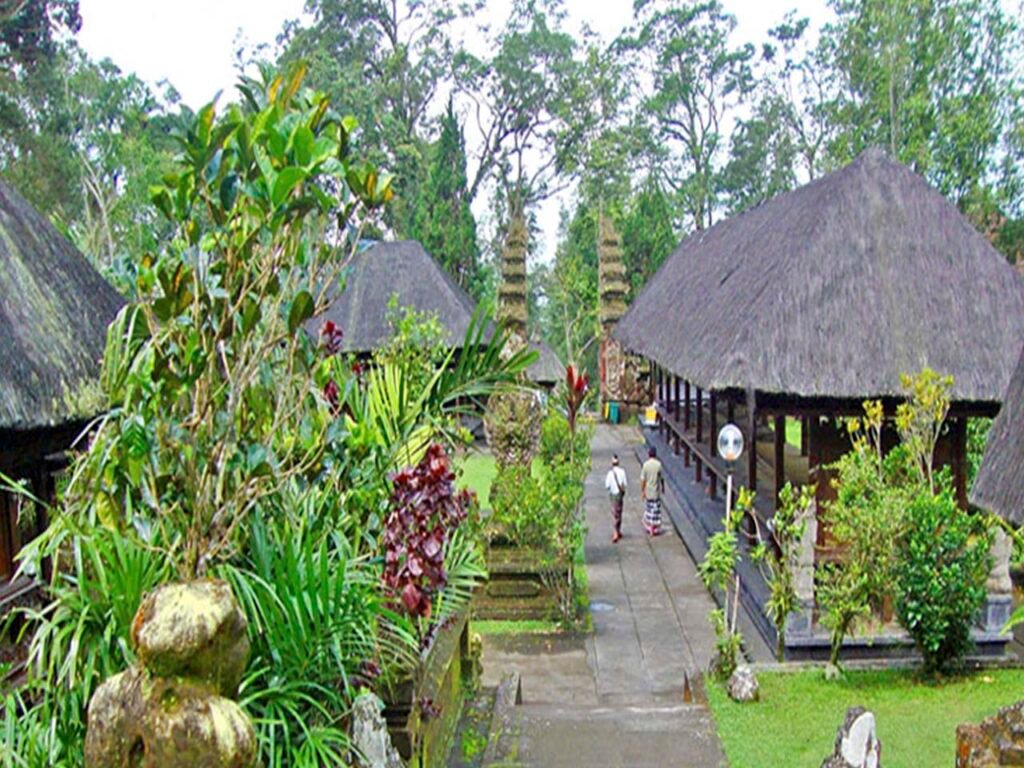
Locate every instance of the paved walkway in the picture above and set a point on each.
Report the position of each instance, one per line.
(616, 698)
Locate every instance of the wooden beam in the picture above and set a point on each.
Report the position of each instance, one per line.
(805, 436)
(780, 456)
(675, 398)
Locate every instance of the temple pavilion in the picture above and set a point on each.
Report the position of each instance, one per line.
(54, 312)
(793, 313)
(405, 272)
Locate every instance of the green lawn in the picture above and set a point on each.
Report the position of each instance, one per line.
(793, 427)
(796, 720)
(478, 471)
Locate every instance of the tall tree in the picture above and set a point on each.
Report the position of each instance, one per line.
(762, 157)
(532, 105)
(933, 81)
(648, 233)
(443, 221)
(695, 79)
(383, 62)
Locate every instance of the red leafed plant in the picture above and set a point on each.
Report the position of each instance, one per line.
(577, 386)
(425, 508)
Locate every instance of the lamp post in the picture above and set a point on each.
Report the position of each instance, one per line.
(730, 448)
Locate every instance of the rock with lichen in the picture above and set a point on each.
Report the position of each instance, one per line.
(171, 709)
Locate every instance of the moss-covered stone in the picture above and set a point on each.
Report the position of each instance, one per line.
(140, 721)
(195, 630)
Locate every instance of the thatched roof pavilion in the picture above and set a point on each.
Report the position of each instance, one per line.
(804, 307)
(999, 486)
(823, 296)
(404, 270)
(54, 312)
(832, 291)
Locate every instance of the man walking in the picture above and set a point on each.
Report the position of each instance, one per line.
(652, 484)
(615, 482)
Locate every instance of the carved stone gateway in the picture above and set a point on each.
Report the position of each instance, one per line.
(173, 708)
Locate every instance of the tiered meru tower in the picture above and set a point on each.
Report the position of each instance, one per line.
(512, 303)
(624, 377)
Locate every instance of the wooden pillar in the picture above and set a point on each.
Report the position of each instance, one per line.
(805, 436)
(752, 450)
(699, 405)
(958, 434)
(713, 439)
(713, 425)
(780, 456)
(686, 405)
(675, 397)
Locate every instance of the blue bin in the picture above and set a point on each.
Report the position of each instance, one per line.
(613, 413)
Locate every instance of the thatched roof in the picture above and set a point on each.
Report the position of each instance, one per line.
(404, 270)
(547, 369)
(833, 290)
(999, 486)
(54, 312)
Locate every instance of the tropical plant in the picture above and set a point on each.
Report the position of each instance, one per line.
(777, 556)
(940, 577)
(718, 572)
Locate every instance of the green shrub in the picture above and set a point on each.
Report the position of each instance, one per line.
(941, 573)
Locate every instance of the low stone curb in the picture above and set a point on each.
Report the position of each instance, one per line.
(508, 696)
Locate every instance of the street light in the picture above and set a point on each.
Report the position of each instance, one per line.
(730, 448)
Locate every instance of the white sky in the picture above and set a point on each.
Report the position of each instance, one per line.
(192, 43)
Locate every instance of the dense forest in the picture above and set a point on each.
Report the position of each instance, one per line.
(666, 129)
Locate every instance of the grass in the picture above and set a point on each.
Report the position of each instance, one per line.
(793, 428)
(478, 470)
(519, 627)
(796, 720)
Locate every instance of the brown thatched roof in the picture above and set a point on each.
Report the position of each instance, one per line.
(999, 486)
(404, 270)
(54, 312)
(832, 291)
(547, 369)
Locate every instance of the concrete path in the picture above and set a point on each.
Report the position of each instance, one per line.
(616, 698)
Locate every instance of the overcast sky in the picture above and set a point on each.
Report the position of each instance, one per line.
(192, 43)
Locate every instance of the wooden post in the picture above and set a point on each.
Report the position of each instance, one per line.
(713, 439)
(713, 426)
(805, 436)
(958, 430)
(699, 405)
(686, 406)
(752, 449)
(780, 456)
(675, 399)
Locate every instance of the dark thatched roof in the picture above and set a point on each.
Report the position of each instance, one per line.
(832, 291)
(547, 370)
(403, 269)
(54, 312)
(999, 486)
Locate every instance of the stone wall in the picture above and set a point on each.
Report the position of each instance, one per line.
(996, 741)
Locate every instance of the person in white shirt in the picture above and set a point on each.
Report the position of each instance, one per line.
(615, 482)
